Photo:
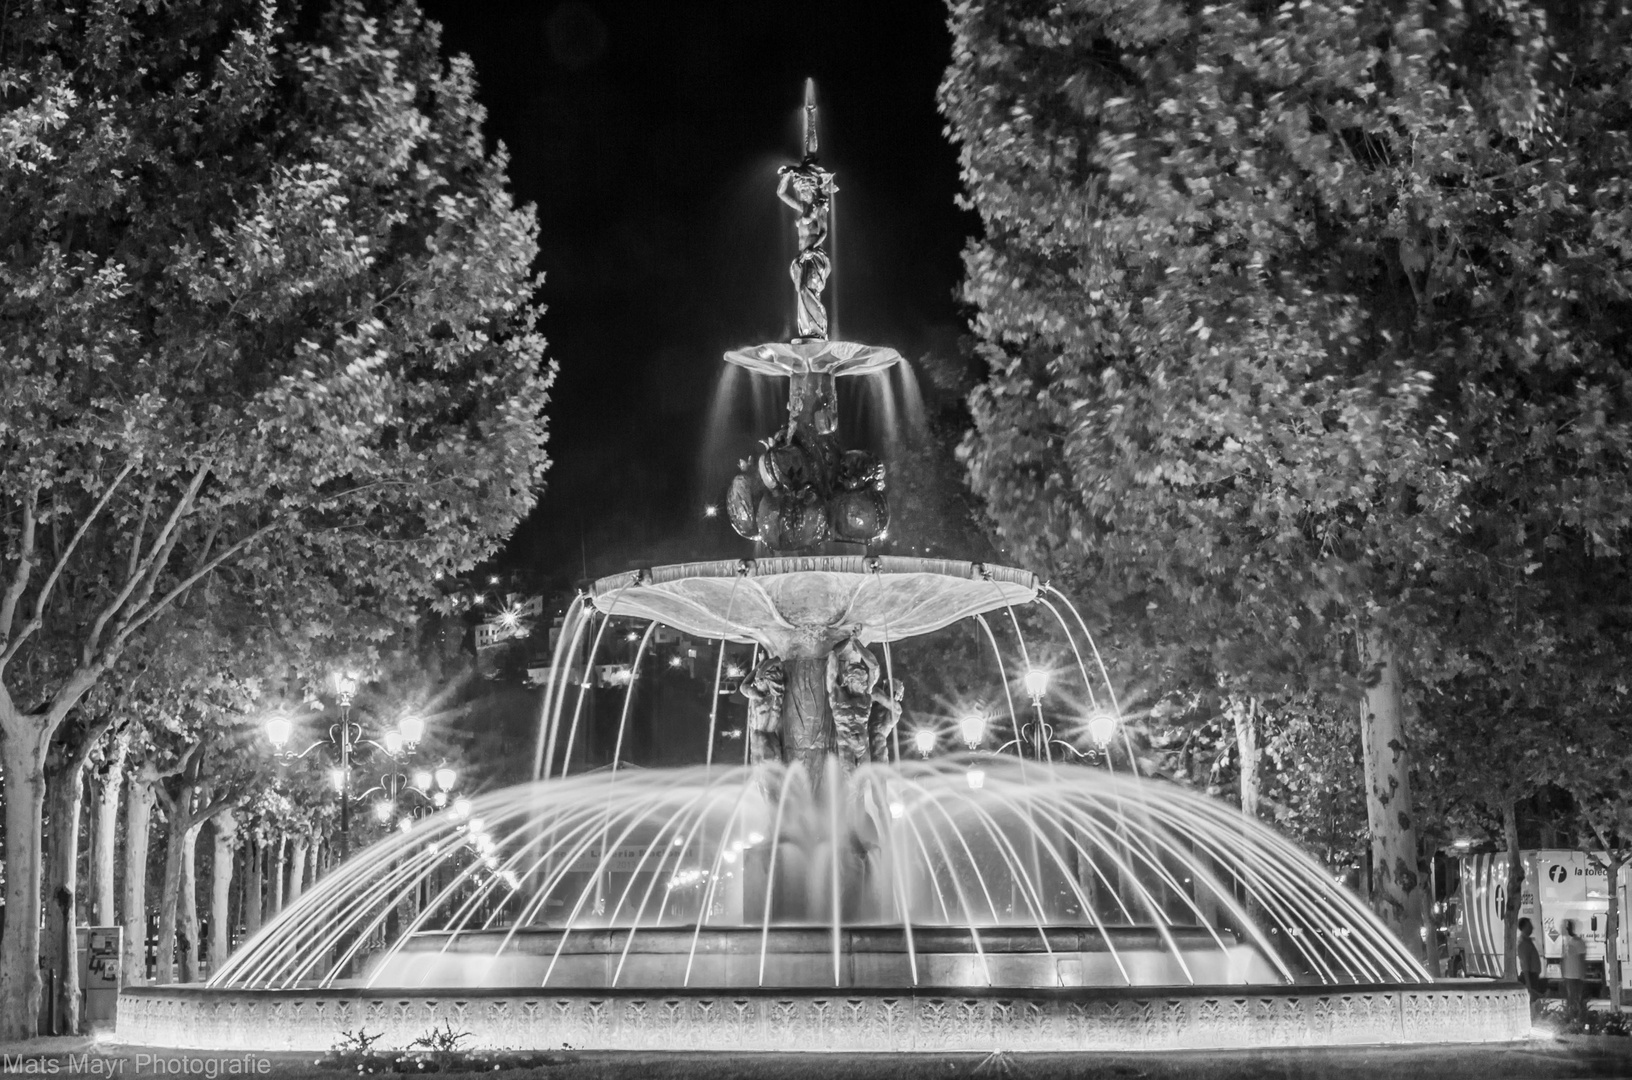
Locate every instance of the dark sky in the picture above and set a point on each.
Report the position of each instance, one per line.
(648, 134)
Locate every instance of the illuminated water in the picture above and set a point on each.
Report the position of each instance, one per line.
(1157, 886)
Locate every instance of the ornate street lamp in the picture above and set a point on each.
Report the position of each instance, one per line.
(346, 737)
(1101, 725)
(973, 729)
(1036, 682)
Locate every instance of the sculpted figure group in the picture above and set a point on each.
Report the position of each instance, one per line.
(854, 687)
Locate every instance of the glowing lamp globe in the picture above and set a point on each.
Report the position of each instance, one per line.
(1036, 681)
(278, 731)
(973, 729)
(413, 730)
(345, 685)
(382, 811)
(445, 778)
(422, 779)
(923, 740)
(337, 777)
(393, 743)
(1101, 727)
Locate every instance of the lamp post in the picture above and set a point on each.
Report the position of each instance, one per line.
(345, 737)
(344, 687)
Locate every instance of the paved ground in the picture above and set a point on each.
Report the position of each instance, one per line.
(1550, 1060)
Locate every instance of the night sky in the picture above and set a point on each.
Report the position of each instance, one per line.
(648, 135)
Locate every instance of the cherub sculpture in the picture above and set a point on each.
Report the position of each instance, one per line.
(763, 688)
(852, 691)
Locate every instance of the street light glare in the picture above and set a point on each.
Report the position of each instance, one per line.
(393, 743)
(278, 731)
(924, 741)
(1036, 681)
(445, 778)
(382, 811)
(973, 729)
(413, 730)
(337, 777)
(422, 779)
(1101, 727)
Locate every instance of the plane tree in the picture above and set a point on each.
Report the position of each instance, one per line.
(1306, 331)
(269, 312)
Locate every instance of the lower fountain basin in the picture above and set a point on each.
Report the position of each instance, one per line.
(736, 957)
(810, 1020)
(792, 604)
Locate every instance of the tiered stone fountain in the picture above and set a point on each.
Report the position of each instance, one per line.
(827, 895)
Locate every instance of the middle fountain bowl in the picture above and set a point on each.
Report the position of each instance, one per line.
(785, 602)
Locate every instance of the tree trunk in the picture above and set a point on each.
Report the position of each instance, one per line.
(23, 741)
(64, 797)
(1246, 745)
(274, 883)
(1389, 806)
(187, 908)
(175, 839)
(1612, 931)
(133, 917)
(252, 888)
(106, 787)
(1429, 898)
(297, 867)
(226, 837)
(1515, 886)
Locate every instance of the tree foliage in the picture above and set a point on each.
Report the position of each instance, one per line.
(1307, 325)
(269, 328)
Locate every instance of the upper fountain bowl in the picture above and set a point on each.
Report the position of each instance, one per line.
(789, 603)
(818, 357)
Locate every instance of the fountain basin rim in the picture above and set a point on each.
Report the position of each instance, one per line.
(1057, 993)
(810, 1020)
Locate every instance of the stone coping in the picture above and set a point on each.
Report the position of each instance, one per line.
(809, 1020)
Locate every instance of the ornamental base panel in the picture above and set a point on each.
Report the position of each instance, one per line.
(803, 1020)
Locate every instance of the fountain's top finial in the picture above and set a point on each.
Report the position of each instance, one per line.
(811, 145)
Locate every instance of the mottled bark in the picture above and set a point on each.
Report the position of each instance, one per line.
(139, 801)
(176, 836)
(107, 783)
(274, 878)
(58, 948)
(1245, 713)
(252, 887)
(187, 909)
(22, 762)
(1612, 932)
(1389, 807)
(225, 836)
(297, 867)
